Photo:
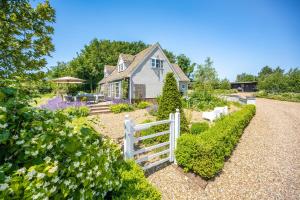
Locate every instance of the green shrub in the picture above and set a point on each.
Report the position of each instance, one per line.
(44, 155)
(143, 104)
(199, 127)
(203, 100)
(135, 185)
(170, 101)
(288, 96)
(81, 111)
(205, 153)
(122, 107)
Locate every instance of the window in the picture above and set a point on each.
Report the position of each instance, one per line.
(117, 90)
(183, 87)
(121, 67)
(157, 63)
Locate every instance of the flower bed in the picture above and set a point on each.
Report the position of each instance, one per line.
(57, 103)
(205, 153)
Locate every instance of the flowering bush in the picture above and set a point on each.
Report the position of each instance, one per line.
(57, 103)
(43, 156)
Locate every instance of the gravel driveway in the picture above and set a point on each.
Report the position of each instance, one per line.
(265, 164)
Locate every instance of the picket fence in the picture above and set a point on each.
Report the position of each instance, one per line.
(130, 139)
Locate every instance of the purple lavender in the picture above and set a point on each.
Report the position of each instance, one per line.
(57, 103)
(117, 101)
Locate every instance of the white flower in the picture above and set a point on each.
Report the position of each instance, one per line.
(53, 169)
(55, 180)
(79, 175)
(22, 170)
(98, 173)
(47, 159)
(76, 164)
(40, 175)
(67, 182)
(35, 153)
(3, 125)
(83, 163)
(15, 137)
(49, 146)
(96, 142)
(96, 168)
(20, 142)
(31, 174)
(3, 186)
(3, 109)
(90, 172)
(53, 189)
(78, 154)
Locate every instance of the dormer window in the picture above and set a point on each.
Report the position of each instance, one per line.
(121, 67)
(157, 63)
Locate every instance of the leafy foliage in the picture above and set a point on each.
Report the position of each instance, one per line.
(170, 101)
(125, 85)
(25, 38)
(81, 111)
(185, 64)
(135, 185)
(122, 107)
(206, 153)
(244, 77)
(199, 127)
(287, 96)
(143, 104)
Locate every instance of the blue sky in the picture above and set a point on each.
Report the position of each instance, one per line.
(239, 35)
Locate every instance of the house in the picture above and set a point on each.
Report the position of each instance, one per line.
(140, 76)
(247, 86)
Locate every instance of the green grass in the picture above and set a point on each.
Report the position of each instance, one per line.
(287, 96)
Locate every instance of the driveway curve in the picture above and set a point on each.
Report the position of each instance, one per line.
(264, 165)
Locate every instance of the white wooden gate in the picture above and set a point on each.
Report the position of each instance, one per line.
(130, 139)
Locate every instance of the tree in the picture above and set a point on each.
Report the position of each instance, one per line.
(264, 72)
(274, 83)
(224, 84)
(206, 76)
(244, 77)
(170, 101)
(25, 38)
(185, 64)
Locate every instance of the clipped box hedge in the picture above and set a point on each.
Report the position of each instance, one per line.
(205, 154)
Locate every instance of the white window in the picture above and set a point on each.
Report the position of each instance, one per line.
(183, 87)
(117, 90)
(157, 63)
(121, 67)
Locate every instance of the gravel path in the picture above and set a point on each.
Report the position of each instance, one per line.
(265, 164)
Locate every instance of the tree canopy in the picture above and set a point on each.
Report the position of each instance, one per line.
(244, 77)
(25, 37)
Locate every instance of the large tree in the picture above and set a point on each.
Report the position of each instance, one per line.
(25, 38)
(185, 64)
(206, 75)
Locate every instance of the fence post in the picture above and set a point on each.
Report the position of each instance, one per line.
(172, 137)
(176, 130)
(128, 140)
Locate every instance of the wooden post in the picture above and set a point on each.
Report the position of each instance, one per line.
(176, 130)
(128, 140)
(172, 137)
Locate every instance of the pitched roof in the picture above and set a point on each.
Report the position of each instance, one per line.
(109, 68)
(180, 73)
(134, 62)
(127, 58)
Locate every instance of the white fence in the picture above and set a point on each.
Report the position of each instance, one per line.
(130, 140)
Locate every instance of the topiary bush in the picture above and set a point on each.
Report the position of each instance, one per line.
(205, 153)
(170, 101)
(122, 107)
(43, 155)
(199, 127)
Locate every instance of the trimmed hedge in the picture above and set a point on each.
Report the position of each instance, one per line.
(199, 127)
(205, 153)
(135, 185)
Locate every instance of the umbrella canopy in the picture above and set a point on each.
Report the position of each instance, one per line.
(68, 79)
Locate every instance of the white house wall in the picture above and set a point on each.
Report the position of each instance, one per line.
(153, 79)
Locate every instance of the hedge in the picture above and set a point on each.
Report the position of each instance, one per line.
(199, 127)
(205, 154)
(135, 185)
(122, 107)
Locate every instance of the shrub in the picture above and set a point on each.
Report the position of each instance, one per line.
(143, 104)
(205, 100)
(135, 185)
(170, 101)
(82, 111)
(122, 107)
(205, 153)
(199, 127)
(44, 155)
